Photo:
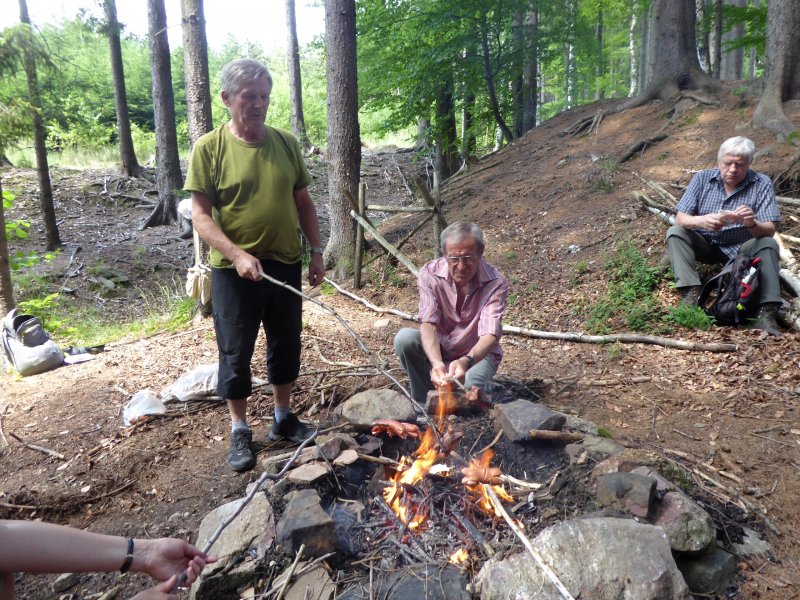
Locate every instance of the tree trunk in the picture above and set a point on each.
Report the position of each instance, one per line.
(673, 64)
(489, 76)
(39, 142)
(732, 61)
(195, 66)
(447, 160)
(644, 58)
(169, 175)
(344, 138)
(468, 138)
(600, 67)
(127, 153)
(423, 134)
(517, 81)
(633, 63)
(295, 79)
(6, 289)
(781, 77)
(530, 82)
(716, 57)
(704, 34)
(752, 66)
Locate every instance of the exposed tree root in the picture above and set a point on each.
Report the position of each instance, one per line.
(642, 145)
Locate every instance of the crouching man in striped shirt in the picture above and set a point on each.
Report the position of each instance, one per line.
(462, 300)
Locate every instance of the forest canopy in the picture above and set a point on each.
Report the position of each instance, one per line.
(498, 68)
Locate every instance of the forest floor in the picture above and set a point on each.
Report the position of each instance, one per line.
(553, 207)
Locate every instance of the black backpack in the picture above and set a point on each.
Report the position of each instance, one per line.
(731, 296)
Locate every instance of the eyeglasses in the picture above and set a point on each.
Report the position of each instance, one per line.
(454, 260)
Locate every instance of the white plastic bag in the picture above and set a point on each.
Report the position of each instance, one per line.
(198, 278)
(200, 382)
(143, 403)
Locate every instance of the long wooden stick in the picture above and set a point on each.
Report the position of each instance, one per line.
(625, 338)
(628, 338)
(37, 448)
(527, 543)
(261, 481)
(382, 241)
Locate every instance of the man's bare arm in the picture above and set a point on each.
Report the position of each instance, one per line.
(309, 223)
(246, 265)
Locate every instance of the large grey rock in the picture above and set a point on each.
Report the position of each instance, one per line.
(752, 544)
(519, 417)
(315, 583)
(595, 448)
(363, 408)
(425, 582)
(689, 527)
(304, 521)
(626, 461)
(601, 559)
(709, 573)
(243, 544)
(628, 492)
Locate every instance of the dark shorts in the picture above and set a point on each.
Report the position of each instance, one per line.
(240, 307)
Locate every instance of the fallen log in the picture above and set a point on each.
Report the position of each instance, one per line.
(626, 338)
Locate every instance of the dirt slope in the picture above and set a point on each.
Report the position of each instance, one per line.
(553, 208)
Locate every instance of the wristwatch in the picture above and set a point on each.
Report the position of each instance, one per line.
(317, 250)
(470, 360)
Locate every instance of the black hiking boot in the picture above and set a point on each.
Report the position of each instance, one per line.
(241, 456)
(690, 295)
(765, 320)
(290, 430)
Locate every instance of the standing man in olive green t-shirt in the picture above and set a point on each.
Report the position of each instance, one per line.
(249, 187)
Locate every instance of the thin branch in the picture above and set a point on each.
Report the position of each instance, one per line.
(37, 448)
(527, 543)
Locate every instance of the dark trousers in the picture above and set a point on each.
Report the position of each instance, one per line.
(685, 247)
(241, 306)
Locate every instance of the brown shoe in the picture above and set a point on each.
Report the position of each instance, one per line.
(765, 320)
(690, 295)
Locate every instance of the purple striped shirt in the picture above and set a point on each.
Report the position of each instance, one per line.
(481, 314)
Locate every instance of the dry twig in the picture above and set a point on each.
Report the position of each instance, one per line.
(527, 543)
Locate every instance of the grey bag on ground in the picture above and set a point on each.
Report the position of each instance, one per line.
(26, 345)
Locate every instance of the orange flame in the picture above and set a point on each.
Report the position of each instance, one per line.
(447, 401)
(410, 474)
(459, 556)
(484, 501)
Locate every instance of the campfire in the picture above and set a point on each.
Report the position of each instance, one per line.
(423, 484)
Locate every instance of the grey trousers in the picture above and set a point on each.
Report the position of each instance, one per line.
(685, 247)
(408, 347)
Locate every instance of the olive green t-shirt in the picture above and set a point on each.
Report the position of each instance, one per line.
(251, 187)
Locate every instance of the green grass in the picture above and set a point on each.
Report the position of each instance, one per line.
(629, 300)
(691, 317)
(169, 309)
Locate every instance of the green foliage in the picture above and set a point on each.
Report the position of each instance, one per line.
(603, 432)
(628, 300)
(170, 309)
(691, 317)
(45, 307)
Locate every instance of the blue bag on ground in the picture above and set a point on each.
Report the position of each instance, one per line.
(26, 345)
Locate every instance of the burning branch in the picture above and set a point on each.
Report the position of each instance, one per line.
(527, 543)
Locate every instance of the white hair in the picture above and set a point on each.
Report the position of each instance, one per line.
(737, 146)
